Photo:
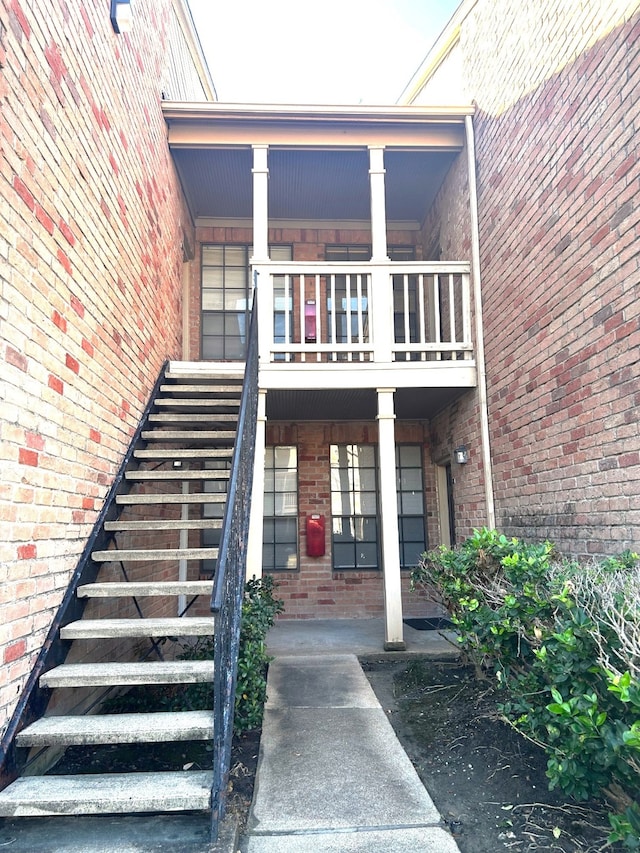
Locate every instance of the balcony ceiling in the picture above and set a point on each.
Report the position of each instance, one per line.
(318, 159)
(311, 185)
(355, 404)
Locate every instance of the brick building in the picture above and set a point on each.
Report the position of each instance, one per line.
(94, 237)
(555, 87)
(434, 354)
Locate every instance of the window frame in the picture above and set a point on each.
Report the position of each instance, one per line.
(402, 516)
(356, 519)
(272, 518)
(226, 314)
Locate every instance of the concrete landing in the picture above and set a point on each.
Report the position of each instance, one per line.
(332, 775)
(362, 637)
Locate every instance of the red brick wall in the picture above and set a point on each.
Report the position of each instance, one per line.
(556, 131)
(315, 591)
(446, 236)
(91, 220)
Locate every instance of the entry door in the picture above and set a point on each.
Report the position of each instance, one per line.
(446, 505)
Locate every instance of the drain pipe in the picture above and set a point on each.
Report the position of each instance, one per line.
(479, 329)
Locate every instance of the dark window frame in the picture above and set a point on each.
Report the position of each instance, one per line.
(359, 524)
(271, 520)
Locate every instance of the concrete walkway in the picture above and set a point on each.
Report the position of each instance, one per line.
(332, 775)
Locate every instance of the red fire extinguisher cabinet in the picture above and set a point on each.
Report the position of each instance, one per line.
(315, 535)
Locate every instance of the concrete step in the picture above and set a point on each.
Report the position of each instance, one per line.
(157, 727)
(119, 589)
(178, 474)
(90, 629)
(215, 437)
(169, 454)
(209, 404)
(211, 391)
(111, 793)
(193, 418)
(126, 674)
(121, 556)
(157, 524)
(201, 372)
(193, 498)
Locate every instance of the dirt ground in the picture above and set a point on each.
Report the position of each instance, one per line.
(487, 781)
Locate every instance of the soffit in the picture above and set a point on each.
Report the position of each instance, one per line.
(310, 184)
(419, 404)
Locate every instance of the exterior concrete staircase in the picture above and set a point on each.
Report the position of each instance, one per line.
(156, 571)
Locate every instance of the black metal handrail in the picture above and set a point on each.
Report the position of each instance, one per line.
(229, 580)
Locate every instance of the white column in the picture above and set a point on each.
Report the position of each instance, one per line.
(393, 634)
(479, 330)
(260, 174)
(254, 545)
(378, 205)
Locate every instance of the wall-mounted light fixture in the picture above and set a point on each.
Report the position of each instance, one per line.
(461, 455)
(121, 17)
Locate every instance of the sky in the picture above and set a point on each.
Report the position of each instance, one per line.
(327, 52)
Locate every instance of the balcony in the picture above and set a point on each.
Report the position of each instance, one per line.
(369, 325)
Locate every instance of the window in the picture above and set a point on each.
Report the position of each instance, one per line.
(280, 530)
(226, 299)
(347, 253)
(410, 488)
(225, 302)
(354, 506)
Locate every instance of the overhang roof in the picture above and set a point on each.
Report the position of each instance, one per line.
(318, 158)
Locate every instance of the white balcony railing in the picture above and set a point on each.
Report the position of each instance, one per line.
(380, 313)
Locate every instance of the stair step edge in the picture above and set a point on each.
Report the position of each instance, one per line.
(109, 793)
(190, 498)
(164, 524)
(125, 674)
(193, 626)
(118, 589)
(153, 727)
(116, 555)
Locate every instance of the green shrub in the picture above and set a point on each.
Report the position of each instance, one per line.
(259, 610)
(563, 642)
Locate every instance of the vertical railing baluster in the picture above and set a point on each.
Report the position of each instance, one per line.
(436, 314)
(318, 317)
(287, 313)
(302, 312)
(360, 321)
(452, 316)
(332, 315)
(466, 312)
(347, 293)
(421, 314)
(407, 313)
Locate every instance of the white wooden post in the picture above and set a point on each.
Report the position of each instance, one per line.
(378, 206)
(254, 545)
(380, 291)
(393, 633)
(260, 173)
